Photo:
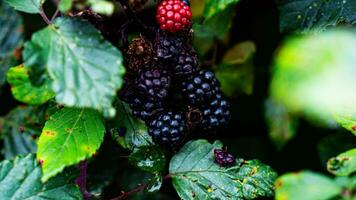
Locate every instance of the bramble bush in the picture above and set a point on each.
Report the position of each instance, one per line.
(177, 99)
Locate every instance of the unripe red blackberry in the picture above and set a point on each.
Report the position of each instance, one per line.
(173, 15)
(223, 158)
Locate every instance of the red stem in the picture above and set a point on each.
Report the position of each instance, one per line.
(44, 16)
(139, 188)
(81, 180)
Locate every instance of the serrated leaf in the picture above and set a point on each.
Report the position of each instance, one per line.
(312, 77)
(344, 164)
(21, 179)
(86, 70)
(128, 131)
(315, 15)
(236, 73)
(24, 91)
(28, 6)
(148, 158)
(69, 136)
(19, 133)
(306, 185)
(213, 7)
(11, 32)
(154, 184)
(196, 176)
(282, 125)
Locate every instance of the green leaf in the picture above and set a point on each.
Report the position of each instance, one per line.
(236, 71)
(348, 184)
(306, 185)
(148, 158)
(19, 133)
(344, 164)
(203, 39)
(135, 133)
(11, 33)
(86, 70)
(196, 176)
(28, 6)
(102, 6)
(65, 5)
(21, 179)
(347, 120)
(282, 125)
(312, 77)
(24, 91)
(11, 38)
(213, 7)
(69, 136)
(154, 184)
(315, 15)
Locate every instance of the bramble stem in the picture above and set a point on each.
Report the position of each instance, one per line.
(139, 188)
(44, 16)
(81, 180)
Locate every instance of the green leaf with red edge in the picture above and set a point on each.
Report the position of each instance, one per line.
(347, 120)
(343, 164)
(195, 175)
(69, 136)
(24, 91)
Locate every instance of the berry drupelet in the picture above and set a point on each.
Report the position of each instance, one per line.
(168, 129)
(201, 88)
(173, 15)
(185, 66)
(223, 158)
(168, 48)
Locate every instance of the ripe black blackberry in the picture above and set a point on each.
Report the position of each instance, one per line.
(185, 66)
(223, 158)
(142, 107)
(153, 83)
(168, 47)
(216, 113)
(201, 88)
(168, 129)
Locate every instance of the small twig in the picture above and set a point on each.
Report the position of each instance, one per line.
(55, 14)
(44, 16)
(81, 180)
(139, 188)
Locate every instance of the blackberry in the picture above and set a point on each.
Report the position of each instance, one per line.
(168, 47)
(142, 107)
(216, 113)
(223, 158)
(185, 66)
(154, 83)
(201, 88)
(168, 129)
(145, 108)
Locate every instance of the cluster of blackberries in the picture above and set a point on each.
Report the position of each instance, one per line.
(166, 88)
